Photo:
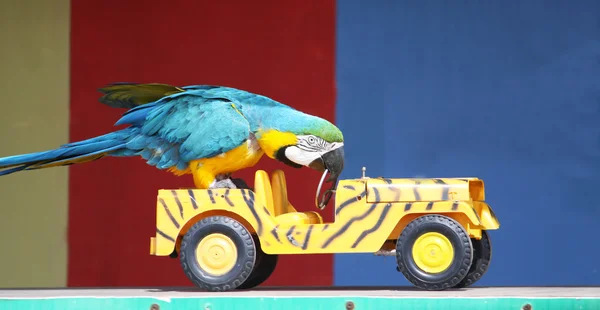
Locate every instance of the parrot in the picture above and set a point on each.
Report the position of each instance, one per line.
(207, 131)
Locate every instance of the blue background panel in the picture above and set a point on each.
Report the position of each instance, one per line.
(508, 91)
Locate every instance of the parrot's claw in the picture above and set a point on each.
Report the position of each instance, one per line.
(226, 183)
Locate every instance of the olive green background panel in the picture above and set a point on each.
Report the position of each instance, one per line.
(34, 86)
(312, 303)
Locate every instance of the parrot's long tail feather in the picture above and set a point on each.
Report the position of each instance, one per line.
(68, 154)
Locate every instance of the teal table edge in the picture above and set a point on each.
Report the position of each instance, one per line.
(300, 302)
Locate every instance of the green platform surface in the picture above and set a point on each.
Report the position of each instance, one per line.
(505, 298)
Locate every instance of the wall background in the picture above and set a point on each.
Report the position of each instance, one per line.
(283, 49)
(505, 91)
(34, 83)
(508, 91)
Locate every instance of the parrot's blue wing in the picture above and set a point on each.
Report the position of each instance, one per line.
(183, 127)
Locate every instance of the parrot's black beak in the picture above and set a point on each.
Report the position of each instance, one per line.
(333, 161)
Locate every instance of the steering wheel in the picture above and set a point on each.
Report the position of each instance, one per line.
(327, 194)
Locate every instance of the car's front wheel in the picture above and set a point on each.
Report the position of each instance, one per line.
(434, 252)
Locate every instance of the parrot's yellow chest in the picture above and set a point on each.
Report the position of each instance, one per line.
(241, 157)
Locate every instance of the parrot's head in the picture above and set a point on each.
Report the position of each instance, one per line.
(312, 142)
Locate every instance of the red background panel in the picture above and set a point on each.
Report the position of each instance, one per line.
(282, 49)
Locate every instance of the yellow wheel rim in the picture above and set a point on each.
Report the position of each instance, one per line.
(216, 254)
(433, 252)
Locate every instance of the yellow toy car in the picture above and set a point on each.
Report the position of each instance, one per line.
(230, 239)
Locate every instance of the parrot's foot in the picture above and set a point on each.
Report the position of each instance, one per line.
(222, 176)
(226, 183)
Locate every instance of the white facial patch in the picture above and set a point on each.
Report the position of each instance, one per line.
(301, 157)
(309, 148)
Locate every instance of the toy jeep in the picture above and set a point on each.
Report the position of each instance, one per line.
(230, 239)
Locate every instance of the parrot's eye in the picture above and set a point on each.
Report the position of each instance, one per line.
(311, 143)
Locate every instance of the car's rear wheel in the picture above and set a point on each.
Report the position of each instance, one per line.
(217, 253)
(434, 252)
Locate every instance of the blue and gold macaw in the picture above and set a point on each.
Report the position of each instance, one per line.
(207, 131)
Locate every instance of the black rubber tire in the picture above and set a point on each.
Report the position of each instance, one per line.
(240, 237)
(463, 252)
(264, 267)
(482, 255)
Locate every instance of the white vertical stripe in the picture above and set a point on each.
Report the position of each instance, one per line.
(34, 110)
